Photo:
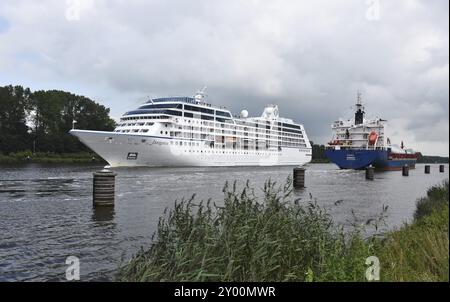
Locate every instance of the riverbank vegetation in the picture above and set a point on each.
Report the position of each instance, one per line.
(50, 158)
(426, 159)
(276, 239)
(318, 154)
(420, 251)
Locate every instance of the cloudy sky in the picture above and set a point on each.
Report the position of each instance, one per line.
(309, 57)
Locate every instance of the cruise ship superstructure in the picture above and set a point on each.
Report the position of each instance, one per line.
(187, 131)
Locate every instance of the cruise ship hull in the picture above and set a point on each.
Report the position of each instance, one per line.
(125, 150)
(360, 159)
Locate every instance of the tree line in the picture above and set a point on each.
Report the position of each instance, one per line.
(41, 120)
(318, 153)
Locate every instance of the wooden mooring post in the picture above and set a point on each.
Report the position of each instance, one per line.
(370, 173)
(299, 177)
(104, 188)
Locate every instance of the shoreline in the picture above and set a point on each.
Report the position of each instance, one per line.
(91, 157)
(50, 158)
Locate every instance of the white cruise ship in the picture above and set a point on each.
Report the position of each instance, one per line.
(186, 131)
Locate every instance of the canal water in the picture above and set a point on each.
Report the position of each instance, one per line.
(46, 212)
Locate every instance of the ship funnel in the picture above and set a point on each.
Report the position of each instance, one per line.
(359, 114)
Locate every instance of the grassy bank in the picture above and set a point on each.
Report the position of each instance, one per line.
(420, 251)
(320, 161)
(276, 239)
(57, 158)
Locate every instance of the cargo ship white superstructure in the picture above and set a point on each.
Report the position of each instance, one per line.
(186, 131)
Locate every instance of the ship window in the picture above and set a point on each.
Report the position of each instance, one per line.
(173, 99)
(151, 111)
(161, 106)
(198, 109)
(222, 113)
(205, 117)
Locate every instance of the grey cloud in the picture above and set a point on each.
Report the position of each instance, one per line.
(308, 57)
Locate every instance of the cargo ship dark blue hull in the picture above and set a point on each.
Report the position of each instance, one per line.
(360, 159)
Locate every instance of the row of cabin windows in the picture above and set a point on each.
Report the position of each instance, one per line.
(245, 144)
(209, 111)
(133, 131)
(162, 106)
(289, 137)
(135, 124)
(205, 117)
(147, 111)
(186, 107)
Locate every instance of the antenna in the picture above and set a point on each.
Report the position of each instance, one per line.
(358, 98)
(203, 90)
(200, 95)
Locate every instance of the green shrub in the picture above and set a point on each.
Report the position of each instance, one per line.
(437, 197)
(420, 251)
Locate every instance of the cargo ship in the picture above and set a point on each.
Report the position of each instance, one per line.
(358, 143)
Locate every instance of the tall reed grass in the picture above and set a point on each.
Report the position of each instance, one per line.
(277, 239)
(248, 240)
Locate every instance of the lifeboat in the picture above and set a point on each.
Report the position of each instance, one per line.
(373, 136)
(335, 143)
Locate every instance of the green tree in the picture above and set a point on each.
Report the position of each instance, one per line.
(14, 106)
(49, 116)
(54, 112)
(318, 153)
